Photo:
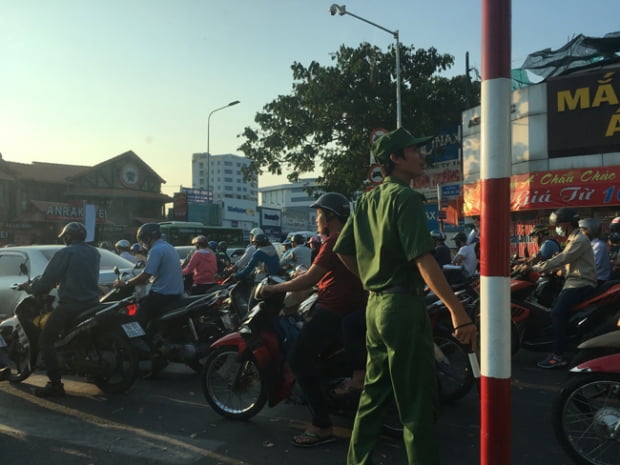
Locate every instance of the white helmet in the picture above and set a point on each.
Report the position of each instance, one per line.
(123, 244)
(256, 231)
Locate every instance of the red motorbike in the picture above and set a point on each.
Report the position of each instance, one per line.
(532, 296)
(586, 413)
(247, 369)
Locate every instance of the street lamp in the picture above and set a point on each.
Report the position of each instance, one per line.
(209, 197)
(342, 10)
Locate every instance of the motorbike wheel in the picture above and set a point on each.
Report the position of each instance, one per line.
(586, 415)
(119, 362)
(234, 386)
(454, 374)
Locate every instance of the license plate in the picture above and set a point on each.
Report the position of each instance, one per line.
(133, 329)
(2, 342)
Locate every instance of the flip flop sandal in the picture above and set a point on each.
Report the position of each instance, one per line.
(307, 439)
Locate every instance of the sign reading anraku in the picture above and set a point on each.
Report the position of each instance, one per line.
(63, 211)
(583, 113)
(584, 187)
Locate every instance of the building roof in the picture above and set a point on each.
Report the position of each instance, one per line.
(41, 171)
(117, 193)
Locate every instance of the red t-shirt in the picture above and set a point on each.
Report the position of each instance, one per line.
(340, 291)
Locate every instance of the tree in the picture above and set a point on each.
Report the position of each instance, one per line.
(328, 118)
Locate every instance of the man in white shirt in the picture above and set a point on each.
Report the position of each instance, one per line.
(465, 256)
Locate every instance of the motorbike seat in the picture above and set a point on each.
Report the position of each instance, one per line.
(604, 291)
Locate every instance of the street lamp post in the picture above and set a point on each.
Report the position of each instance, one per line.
(209, 197)
(342, 10)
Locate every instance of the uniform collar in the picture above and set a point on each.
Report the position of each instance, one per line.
(396, 180)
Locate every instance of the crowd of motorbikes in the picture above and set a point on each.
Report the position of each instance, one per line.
(238, 344)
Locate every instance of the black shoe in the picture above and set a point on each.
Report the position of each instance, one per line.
(51, 389)
(5, 373)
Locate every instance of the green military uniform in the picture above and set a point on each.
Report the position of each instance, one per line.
(385, 233)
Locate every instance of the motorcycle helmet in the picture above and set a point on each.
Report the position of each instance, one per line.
(614, 237)
(135, 248)
(438, 235)
(460, 237)
(335, 203)
(614, 226)
(222, 245)
(260, 240)
(200, 240)
(314, 240)
(591, 227)
(564, 215)
(148, 231)
(539, 229)
(255, 232)
(123, 244)
(73, 231)
(213, 245)
(297, 239)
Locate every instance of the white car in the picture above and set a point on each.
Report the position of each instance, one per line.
(36, 257)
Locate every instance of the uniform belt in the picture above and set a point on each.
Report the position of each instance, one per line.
(399, 290)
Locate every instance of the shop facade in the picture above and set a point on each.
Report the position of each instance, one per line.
(565, 151)
(37, 199)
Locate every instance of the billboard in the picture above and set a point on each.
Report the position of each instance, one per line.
(583, 113)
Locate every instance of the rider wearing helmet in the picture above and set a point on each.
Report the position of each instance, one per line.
(591, 227)
(614, 226)
(442, 251)
(547, 246)
(577, 260)
(465, 255)
(299, 254)
(202, 266)
(163, 270)
(315, 245)
(265, 258)
(74, 271)
(338, 316)
(249, 251)
(123, 249)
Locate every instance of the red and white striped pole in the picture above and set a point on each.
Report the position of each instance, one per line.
(495, 171)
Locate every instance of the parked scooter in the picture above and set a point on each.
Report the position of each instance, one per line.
(586, 413)
(97, 345)
(531, 321)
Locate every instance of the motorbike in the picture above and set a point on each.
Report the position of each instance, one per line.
(97, 345)
(531, 299)
(586, 413)
(247, 369)
(186, 328)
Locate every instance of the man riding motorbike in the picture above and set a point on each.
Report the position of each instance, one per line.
(74, 270)
(340, 297)
(164, 271)
(202, 266)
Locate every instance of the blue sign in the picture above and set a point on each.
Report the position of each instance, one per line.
(450, 190)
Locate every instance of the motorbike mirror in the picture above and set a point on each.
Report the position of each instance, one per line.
(139, 264)
(117, 272)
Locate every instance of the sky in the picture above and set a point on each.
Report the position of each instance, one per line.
(83, 81)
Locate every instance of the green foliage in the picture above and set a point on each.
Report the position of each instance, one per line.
(328, 118)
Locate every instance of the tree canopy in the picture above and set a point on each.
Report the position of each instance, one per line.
(328, 118)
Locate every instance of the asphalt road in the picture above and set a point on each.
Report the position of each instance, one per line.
(167, 421)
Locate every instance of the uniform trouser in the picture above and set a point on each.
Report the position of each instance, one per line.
(57, 323)
(320, 333)
(400, 366)
(560, 314)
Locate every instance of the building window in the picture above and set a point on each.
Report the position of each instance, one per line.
(228, 171)
(228, 180)
(228, 163)
(228, 188)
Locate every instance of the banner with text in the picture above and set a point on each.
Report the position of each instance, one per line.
(583, 187)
